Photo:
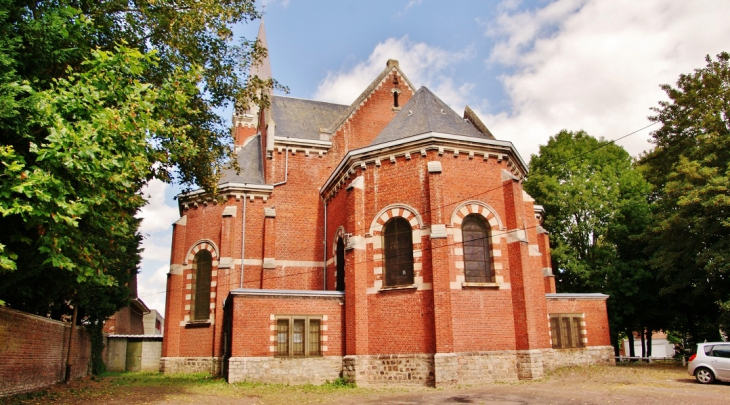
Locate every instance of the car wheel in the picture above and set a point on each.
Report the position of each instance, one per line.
(704, 376)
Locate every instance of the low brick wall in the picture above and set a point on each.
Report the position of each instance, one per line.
(173, 365)
(33, 351)
(395, 369)
(284, 370)
(578, 357)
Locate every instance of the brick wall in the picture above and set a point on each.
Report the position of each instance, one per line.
(33, 351)
(254, 322)
(594, 314)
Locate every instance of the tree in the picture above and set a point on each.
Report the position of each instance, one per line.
(97, 99)
(689, 170)
(595, 203)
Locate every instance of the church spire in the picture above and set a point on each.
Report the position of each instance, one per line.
(263, 68)
(246, 120)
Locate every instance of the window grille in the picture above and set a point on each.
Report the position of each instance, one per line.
(398, 252)
(314, 331)
(565, 330)
(202, 269)
(477, 262)
(282, 337)
(298, 335)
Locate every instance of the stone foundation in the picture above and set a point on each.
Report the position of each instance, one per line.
(440, 370)
(578, 357)
(395, 369)
(476, 367)
(172, 365)
(284, 370)
(530, 364)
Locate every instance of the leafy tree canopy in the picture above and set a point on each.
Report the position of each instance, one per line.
(689, 170)
(595, 203)
(96, 99)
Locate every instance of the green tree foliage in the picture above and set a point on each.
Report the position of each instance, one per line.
(96, 99)
(689, 170)
(595, 203)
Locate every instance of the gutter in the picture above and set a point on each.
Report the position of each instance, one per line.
(430, 136)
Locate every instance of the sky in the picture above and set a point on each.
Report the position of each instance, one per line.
(528, 69)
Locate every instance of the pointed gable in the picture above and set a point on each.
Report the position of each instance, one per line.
(425, 113)
(391, 76)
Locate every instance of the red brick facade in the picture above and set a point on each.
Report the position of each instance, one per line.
(341, 185)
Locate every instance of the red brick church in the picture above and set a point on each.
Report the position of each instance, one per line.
(388, 241)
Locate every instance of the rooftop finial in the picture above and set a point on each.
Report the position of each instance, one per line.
(391, 63)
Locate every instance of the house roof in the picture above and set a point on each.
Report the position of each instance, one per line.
(298, 118)
(249, 161)
(425, 113)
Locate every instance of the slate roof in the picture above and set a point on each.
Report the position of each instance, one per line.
(298, 118)
(425, 113)
(249, 160)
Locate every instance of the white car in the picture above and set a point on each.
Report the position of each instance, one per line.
(711, 362)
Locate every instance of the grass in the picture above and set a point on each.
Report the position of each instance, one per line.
(140, 387)
(157, 379)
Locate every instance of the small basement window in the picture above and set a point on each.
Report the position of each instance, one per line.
(298, 335)
(565, 330)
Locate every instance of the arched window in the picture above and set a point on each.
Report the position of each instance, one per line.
(398, 252)
(202, 268)
(477, 263)
(340, 285)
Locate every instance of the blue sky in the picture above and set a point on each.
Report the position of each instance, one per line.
(528, 68)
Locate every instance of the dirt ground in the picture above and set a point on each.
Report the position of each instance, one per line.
(625, 384)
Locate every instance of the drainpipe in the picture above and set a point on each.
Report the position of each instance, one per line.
(243, 236)
(286, 169)
(324, 257)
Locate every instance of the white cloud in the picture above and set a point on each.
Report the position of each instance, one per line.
(157, 247)
(423, 64)
(158, 214)
(597, 65)
(410, 5)
(284, 3)
(151, 288)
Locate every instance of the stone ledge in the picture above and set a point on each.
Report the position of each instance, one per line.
(398, 287)
(480, 285)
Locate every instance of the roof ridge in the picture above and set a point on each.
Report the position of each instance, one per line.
(390, 66)
(426, 112)
(307, 99)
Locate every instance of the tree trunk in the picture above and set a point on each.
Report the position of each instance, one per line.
(643, 343)
(648, 343)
